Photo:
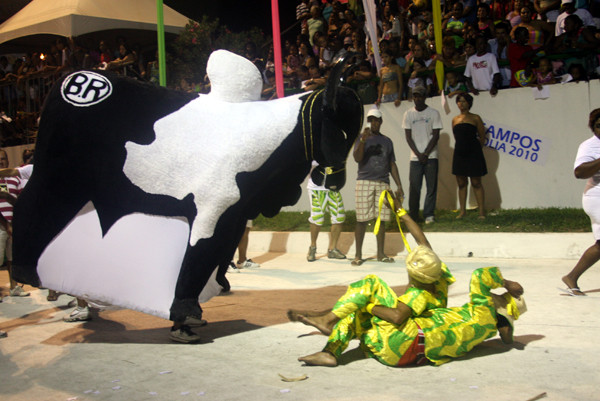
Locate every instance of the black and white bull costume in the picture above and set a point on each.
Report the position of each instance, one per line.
(138, 193)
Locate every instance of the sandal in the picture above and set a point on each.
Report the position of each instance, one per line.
(357, 262)
(573, 292)
(386, 259)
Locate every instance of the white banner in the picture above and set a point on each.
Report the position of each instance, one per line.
(371, 24)
(514, 142)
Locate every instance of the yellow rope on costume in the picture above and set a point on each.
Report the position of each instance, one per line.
(311, 98)
(398, 213)
(511, 307)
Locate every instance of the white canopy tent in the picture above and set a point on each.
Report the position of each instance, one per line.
(77, 17)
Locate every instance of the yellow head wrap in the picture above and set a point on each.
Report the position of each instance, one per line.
(423, 265)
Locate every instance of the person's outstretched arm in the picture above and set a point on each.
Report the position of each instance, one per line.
(415, 230)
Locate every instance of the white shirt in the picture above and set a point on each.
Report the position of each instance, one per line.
(582, 13)
(588, 151)
(481, 70)
(422, 124)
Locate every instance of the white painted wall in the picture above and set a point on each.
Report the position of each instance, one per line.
(559, 122)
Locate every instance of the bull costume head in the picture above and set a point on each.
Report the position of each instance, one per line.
(141, 187)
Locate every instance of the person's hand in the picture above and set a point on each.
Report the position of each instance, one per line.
(397, 102)
(475, 92)
(515, 289)
(399, 197)
(377, 102)
(422, 158)
(365, 134)
(494, 91)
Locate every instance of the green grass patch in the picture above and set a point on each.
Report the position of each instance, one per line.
(556, 220)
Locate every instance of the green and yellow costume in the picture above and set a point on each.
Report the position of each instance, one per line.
(448, 332)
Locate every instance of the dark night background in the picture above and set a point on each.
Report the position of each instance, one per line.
(236, 14)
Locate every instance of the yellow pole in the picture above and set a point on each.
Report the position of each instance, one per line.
(437, 31)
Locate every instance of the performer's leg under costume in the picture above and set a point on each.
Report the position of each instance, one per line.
(350, 308)
(452, 332)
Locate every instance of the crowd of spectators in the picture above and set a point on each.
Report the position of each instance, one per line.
(25, 81)
(487, 45)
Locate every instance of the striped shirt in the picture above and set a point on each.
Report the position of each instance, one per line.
(12, 185)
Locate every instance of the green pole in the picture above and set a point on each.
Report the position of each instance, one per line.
(160, 30)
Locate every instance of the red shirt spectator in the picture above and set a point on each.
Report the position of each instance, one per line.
(519, 54)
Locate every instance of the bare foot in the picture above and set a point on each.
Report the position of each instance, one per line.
(506, 334)
(460, 215)
(293, 314)
(319, 359)
(481, 217)
(322, 323)
(572, 285)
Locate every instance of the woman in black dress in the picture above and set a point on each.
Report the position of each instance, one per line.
(468, 160)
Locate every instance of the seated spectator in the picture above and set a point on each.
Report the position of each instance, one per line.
(499, 48)
(316, 80)
(450, 57)
(520, 55)
(453, 86)
(575, 40)
(469, 49)
(453, 26)
(412, 41)
(482, 70)
(514, 17)
(337, 47)
(500, 8)
(126, 58)
(292, 59)
(577, 73)
(420, 53)
(387, 30)
(316, 23)
(418, 79)
(394, 48)
(306, 55)
(470, 11)
(469, 31)
(540, 32)
(358, 43)
(568, 8)
(269, 88)
(105, 53)
(364, 82)
(303, 14)
(543, 73)
(302, 76)
(427, 29)
(485, 25)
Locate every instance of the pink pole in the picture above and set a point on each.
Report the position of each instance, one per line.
(277, 48)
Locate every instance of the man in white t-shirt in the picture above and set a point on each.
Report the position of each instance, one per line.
(482, 69)
(322, 201)
(422, 126)
(567, 8)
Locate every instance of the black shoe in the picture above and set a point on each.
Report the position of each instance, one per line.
(194, 321)
(184, 335)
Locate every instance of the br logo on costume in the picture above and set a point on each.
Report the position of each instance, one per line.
(83, 89)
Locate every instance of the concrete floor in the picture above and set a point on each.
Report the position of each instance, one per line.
(124, 355)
